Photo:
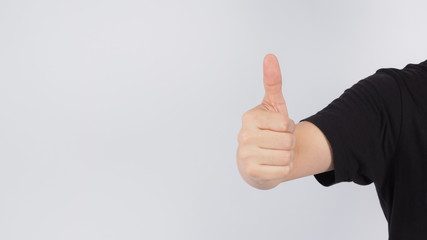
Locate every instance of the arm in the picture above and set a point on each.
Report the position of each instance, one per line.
(312, 153)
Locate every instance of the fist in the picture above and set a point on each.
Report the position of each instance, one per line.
(266, 140)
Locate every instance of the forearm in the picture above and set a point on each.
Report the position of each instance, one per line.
(312, 153)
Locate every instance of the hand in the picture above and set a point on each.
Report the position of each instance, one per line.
(266, 139)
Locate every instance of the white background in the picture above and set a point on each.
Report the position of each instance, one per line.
(119, 119)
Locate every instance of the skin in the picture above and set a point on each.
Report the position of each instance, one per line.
(272, 148)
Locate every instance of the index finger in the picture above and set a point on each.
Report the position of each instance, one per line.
(274, 121)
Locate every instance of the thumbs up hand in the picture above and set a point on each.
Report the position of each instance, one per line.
(266, 139)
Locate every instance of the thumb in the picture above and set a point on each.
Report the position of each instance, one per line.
(273, 98)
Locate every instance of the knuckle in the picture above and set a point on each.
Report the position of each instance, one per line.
(285, 157)
(247, 116)
(252, 118)
(285, 123)
(290, 141)
(243, 137)
(239, 136)
(286, 170)
(287, 140)
(252, 171)
(244, 155)
(255, 119)
(244, 117)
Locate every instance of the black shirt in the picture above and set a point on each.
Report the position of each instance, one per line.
(378, 133)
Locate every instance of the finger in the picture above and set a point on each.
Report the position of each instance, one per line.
(267, 173)
(275, 157)
(274, 140)
(274, 121)
(273, 85)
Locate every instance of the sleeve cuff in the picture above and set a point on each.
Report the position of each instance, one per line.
(342, 164)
